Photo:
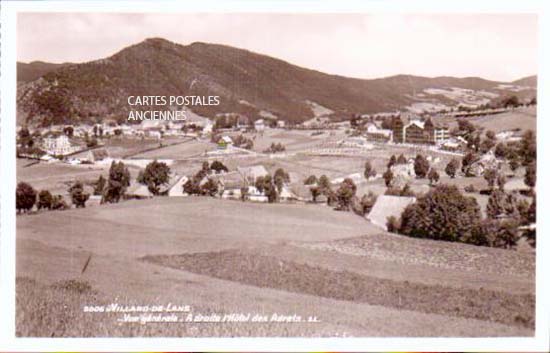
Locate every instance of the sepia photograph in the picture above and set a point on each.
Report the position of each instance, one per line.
(315, 175)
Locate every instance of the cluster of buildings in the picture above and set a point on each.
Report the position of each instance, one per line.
(417, 131)
(411, 130)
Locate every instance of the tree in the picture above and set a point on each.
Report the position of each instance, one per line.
(433, 176)
(218, 167)
(392, 224)
(324, 183)
(59, 203)
(209, 188)
(281, 174)
(441, 214)
(401, 159)
(528, 148)
(345, 193)
(119, 180)
(502, 204)
(421, 166)
(155, 174)
(25, 197)
(500, 150)
(367, 202)
(514, 164)
(311, 180)
(315, 192)
(388, 177)
(490, 175)
(99, 185)
(45, 200)
(501, 181)
(392, 161)
(259, 184)
(78, 196)
(452, 168)
(244, 193)
(467, 162)
(496, 233)
(269, 189)
(369, 171)
(512, 101)
(69, 131)
(530, 178)
(466, 126)
(90, 143)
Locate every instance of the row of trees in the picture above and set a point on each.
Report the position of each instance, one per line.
(26, 197)
(344, 198)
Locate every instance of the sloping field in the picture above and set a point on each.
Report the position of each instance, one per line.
(185, 149)
(520, 118)
(228, 257)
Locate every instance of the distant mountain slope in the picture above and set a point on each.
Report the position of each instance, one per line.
(529, 81)
(34, 70)
(246, 82)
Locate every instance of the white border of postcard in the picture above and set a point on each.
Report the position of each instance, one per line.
(8, 341)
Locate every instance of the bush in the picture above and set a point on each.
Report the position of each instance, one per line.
(370, 172)
(392, 224)
(442, 214)
(497, 234)
(25, 197)
(218, 167)
(311, 180)
(388, 177)
(59, 203)
(470, 188)
(45, 200)
(78, 196)
(155, 175)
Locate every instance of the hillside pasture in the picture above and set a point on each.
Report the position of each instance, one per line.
(257, 258)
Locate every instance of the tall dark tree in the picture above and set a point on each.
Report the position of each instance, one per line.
(452, 168)
(528, 147)
(388, 177)
(369, 170)
(467, 162)
(490, 175)
(421, 166)
(392, 161)
(119, 180)
(531, 175)
(433, 176)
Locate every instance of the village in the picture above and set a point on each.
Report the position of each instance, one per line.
(268, 161)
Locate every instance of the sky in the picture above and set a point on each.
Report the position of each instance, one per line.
(501, 47)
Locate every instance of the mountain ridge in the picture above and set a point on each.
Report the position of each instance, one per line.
(98, 89)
